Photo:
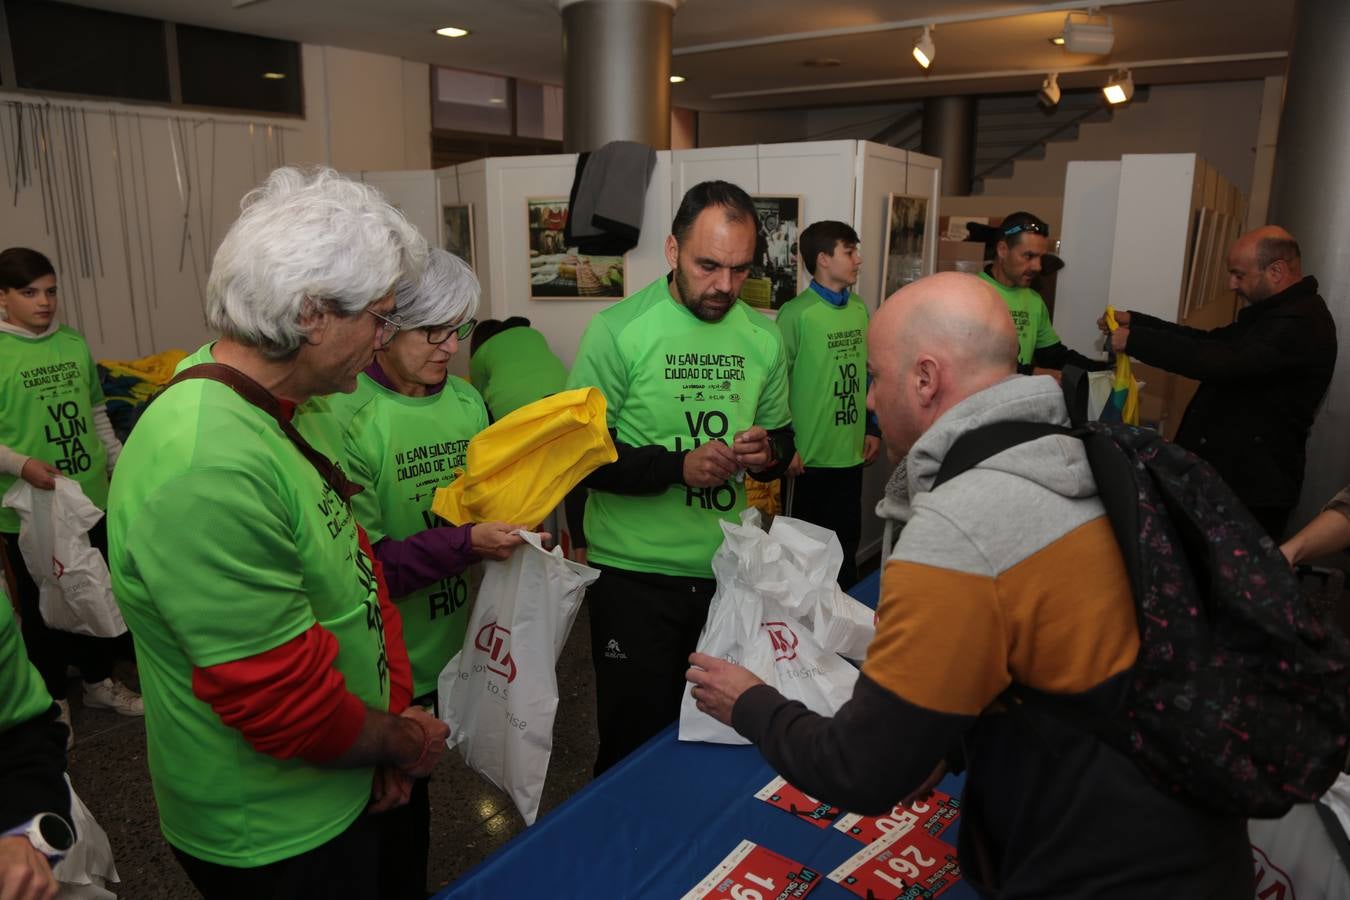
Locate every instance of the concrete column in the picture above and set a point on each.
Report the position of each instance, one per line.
(616, 72)
(949, 133)
(1312, 181)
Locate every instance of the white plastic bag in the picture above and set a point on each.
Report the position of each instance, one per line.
(500, 693)
(75, 589)
(753, 622)
(87, 870)
(810, 565)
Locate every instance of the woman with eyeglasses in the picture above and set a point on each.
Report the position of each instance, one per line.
(402, 435)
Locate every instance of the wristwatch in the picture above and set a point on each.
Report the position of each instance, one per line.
(49, 834)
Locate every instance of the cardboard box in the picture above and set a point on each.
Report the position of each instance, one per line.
(960, 256)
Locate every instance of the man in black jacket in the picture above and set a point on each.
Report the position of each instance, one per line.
(1261, 378)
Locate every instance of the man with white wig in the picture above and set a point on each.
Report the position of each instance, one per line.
(402, 434)
(275, 677)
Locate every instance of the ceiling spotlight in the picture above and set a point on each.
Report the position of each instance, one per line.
(274, 76)
(677, 79)
(452, 31)
(1094, 38)
(1119, 88)
(1058, 40)
(1049, 92)
(924, 51)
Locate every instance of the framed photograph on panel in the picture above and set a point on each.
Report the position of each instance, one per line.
(906, 224)
(558, 272)
(458, 235)
(774, 278)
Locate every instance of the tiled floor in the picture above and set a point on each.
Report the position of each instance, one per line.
(470, 818)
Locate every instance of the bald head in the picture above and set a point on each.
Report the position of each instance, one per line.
(1264, 262)
(959, 319)
(933, 344)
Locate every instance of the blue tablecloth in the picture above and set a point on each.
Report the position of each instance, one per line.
(655, 824)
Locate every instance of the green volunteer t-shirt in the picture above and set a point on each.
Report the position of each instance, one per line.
(24, 697)
(515, 367)
(402, 449)
(827, 377)
(225, 543)
(1029, 314)
(48, 390)
(672, 380)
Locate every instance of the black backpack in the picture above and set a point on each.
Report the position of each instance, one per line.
(1239, 700)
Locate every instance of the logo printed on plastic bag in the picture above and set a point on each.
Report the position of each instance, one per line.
(494, 640)
(783, 640)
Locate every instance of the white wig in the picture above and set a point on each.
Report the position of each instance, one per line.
(306, 237)
(447, 293)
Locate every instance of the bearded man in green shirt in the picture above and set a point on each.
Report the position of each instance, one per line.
(696, 385)
(1022, 244)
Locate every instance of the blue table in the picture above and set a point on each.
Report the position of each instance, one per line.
(656, 823)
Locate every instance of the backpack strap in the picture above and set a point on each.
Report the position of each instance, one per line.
(1334, 831)
(1073, 381)
(262, 398)
(979, 444)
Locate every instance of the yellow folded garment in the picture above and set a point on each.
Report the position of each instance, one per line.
(156, 369)
(520, 468)
(763, 496)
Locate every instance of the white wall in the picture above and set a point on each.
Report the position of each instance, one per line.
(132, 201)
(1217, 121)
(506, 184)
(1091, 193)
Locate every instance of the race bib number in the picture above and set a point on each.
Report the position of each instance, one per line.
(932, 816)
(900, 866)
(751, 872)
(786, 797)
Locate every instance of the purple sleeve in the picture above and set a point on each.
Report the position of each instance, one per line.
(425, 558)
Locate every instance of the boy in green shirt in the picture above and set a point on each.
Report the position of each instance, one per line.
(825, 334)
(1022, 243)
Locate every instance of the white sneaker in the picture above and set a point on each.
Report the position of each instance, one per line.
(63, 716)
(114, 695)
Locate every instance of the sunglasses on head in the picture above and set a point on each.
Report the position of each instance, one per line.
(1029, 227)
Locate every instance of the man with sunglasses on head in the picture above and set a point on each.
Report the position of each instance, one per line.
(1023, 242)
(1262, 378)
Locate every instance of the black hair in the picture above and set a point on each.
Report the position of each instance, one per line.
(487, 328)
(1270, 249)
(20, 267)
(823, 237)
(1018, 224)
(735, 201)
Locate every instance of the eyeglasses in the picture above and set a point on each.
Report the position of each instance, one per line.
(1030, 227)
(389, 326)
(439, 334)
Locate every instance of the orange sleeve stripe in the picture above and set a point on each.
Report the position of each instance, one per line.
(1061, 621)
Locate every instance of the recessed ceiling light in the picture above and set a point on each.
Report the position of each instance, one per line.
(452, 31)
(496, 100)
(1057, 40)
(274, 76)
(677, 79)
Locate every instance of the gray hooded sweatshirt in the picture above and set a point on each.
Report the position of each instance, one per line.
(1006, 574)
